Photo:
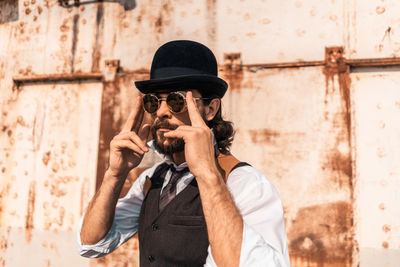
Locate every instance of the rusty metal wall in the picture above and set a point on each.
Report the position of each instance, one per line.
(323, 130)
(300, 141)
(376, 112)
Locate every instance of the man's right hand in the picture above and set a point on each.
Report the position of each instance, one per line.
(129, 146)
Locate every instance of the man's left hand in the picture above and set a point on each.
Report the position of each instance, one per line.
(198, 138)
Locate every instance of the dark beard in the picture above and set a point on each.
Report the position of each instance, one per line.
(178, 145)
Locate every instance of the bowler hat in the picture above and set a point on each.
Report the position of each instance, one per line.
(184, 64)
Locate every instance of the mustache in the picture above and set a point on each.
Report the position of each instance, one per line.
(163, 124)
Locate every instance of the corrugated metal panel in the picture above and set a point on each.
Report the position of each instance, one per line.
(291, 125)
(48, 161)
(376, 109)
(300, 136)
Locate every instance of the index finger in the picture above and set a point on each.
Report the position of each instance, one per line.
(135, 117)
(194, 113)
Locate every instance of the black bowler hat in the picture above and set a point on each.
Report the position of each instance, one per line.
(184, 64)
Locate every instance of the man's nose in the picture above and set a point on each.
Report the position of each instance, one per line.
(163, 111)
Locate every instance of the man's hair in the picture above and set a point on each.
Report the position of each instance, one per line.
(223, 130)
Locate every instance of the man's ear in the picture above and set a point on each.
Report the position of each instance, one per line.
(212, 108)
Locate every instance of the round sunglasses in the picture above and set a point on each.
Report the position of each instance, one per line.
(176, 102)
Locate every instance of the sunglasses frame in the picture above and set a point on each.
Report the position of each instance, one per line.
(181, 93)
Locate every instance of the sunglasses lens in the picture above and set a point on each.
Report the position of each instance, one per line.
(176, 102)
(150, 103)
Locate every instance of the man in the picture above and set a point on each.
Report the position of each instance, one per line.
(200, 206)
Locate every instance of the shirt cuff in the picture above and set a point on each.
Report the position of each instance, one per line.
(99, 249)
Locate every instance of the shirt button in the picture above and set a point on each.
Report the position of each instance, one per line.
(151, 258)
(154, 227)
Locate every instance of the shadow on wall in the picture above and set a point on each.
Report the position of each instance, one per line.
(8, 11)
(127, 4)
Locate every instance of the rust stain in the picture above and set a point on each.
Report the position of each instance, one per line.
(55, 167)
(380, 10)
(322, 234)
(75, 31)
(335, 64)
(263, 135)
(4, 245)
(56, 185)
(266, 21)
(46, 157)
(3, 194)
(96, 54)
(386, 228)
(30, 211)
(163, 18)
(232, 70)
(211, 22)
(339, 163)
(158, 24)
(64, 27)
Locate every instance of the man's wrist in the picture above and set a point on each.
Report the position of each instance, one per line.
(114, 178)
(210, 178)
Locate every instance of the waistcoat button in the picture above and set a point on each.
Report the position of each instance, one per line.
(154, 227)
(151, 258)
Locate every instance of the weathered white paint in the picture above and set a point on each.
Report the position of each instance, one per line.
(376, 109)
(289, 125)
(48, 158)
(296, 126)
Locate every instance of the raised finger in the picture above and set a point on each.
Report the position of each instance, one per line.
(139, 142)
(134, 120)
(194, 113)
(127, 144)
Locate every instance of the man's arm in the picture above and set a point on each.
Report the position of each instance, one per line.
(100, 212)
(229, 235)
(126, 152)
(264, 235)
(224, 223)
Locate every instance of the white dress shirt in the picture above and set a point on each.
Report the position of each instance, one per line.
(264, 235)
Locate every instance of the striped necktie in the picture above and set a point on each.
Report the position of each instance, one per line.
(169, 191)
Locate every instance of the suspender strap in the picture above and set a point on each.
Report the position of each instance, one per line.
(227, 163)
(240, 164)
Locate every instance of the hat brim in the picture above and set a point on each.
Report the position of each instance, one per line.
(206, 84)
